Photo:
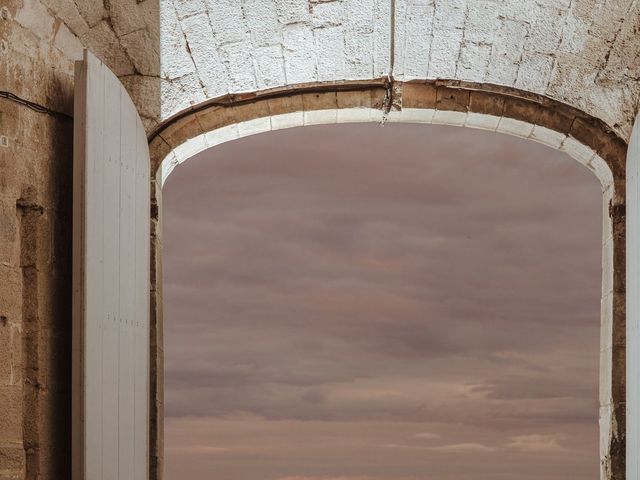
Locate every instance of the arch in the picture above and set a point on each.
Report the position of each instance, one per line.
(449, 102)
(580, 52)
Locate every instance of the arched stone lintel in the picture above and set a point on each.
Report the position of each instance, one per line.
(495, 108)
(552, 121)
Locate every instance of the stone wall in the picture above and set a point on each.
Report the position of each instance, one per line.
(39, 41)
(125, 35)
(583, 52)
(37, 53)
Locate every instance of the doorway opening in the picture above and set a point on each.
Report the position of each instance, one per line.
(354, 302)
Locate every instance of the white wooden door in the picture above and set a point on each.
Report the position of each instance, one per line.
(633, 304)
(110, 280)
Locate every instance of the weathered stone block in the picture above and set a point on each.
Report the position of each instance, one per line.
(182, 130)
(486, 102)
(213, 118)
(609, 147)
(10, 413)
(418, 95)
(12, 459)
(142, 51)
(11, 293)
(456, 100)
(158, 150)
(8, 231)
(285, 104)
(319, 101)
(556, 119)
(250, 111)
(354, 99)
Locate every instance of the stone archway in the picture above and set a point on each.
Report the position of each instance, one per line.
(453, 102)
(181, 56)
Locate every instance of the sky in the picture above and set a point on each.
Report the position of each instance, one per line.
(358, 302)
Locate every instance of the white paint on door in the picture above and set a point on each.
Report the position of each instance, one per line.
(110, 280)
(633, 303)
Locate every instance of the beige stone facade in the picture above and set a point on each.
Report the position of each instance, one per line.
(568, 69)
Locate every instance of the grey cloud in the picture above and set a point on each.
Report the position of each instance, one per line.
(327, 296)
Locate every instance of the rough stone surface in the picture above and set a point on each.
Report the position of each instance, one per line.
(37, 51)
(584, 53)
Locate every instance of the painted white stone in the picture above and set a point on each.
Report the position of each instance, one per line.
(550, 47)
(239, 63)
(473, 60)
(412, 115)
(353, 115)
(176, 59)
(481, 22)
(228, 21)
(602, 171)
(607, 271)
(167, 166)
(606, 355)
(212, 73)
(577, 150)
(320, 117)
(605, 414)
(329, 47)
(221, 135)
(548, 137)
(534, 72)
(292, 11)
(442, 64)
(482, 121)
(445, 117)
(287, 120)
(606, 330)
(413, 42)
(299, 54)
(252, 127)
(187, 8)
(269, 66)
(358, 54)
(262, 20)
(514, 127)
(191, 147)
(506, 51)
(329, 14)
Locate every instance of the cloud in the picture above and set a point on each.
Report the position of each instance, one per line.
(331, 291)
(342, 477)
(463, 448)
(201, 449)
(537, 443)
(449, 448)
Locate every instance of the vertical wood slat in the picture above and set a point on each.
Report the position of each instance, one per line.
(111, 280)
(633, 304)
(141, 322)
